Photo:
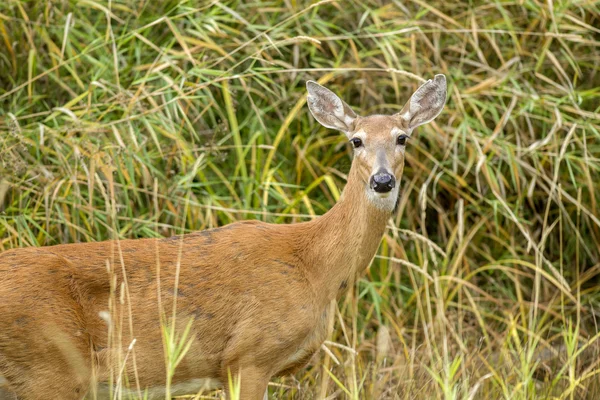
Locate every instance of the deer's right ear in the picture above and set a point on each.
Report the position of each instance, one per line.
(328, 109)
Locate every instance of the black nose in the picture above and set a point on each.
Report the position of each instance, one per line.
(382, 182)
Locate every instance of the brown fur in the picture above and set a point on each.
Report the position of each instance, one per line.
(258, 295)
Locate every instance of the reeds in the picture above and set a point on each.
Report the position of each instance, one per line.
(125, 119)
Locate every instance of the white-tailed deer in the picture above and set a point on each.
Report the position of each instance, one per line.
(257, 294)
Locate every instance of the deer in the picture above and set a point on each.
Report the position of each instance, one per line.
(254, 297)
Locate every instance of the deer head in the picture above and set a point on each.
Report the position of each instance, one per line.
(379, 141)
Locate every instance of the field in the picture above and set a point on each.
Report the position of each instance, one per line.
(129, 119)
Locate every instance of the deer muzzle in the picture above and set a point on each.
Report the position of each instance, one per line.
(382, 182)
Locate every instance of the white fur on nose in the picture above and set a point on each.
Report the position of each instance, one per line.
(383, 201)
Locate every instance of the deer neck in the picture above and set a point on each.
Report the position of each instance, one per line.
(345, 239)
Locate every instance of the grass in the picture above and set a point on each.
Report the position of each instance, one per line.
(125, 119)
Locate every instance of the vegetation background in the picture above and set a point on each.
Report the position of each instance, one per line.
(127, 119)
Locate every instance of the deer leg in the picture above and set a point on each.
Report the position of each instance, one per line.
(42, 384)
(253, 384)
(46, 358)
(38, 378)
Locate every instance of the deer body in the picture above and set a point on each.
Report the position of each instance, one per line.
(258, 294)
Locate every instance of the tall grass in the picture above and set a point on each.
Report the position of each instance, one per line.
(126, 119)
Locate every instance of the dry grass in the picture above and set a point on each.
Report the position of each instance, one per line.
(125, 119)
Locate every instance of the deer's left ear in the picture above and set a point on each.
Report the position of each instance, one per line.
(328, 109)
(425, 104)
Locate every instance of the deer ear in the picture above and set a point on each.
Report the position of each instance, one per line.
(426, 103)
(328, 109)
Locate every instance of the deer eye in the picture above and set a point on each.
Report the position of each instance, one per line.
(356, 142)
(402, 140)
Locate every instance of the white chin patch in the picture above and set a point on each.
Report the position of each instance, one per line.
(383, 201)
